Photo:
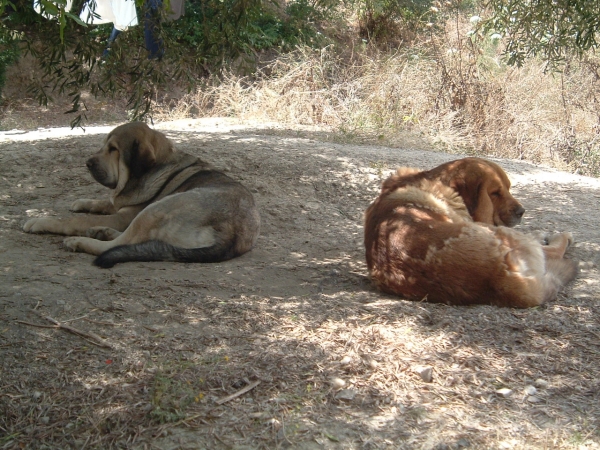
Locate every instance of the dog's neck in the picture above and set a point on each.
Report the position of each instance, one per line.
(159, 181)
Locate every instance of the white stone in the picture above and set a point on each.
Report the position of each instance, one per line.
(530, 390)
(504, 392)
(425, 372)
(337, 383)
(346, 360)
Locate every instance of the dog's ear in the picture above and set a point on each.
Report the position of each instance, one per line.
(473, 190)
(141, 158)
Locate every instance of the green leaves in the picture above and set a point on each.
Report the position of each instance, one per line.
(211, 35)
(551, 29)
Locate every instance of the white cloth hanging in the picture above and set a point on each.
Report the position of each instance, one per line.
(121, 13)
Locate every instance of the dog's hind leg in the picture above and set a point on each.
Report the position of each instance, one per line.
(557, 245)
(156, 234)
(559, 270)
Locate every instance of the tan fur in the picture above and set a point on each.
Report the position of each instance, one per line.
(172, 202)
(439, 236)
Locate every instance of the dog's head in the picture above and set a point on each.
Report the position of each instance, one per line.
(484, 187)
(129, 151)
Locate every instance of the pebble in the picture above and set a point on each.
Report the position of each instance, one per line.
(530, 390)
(533, 399)
(504, 392)
(346, 360)
(541, 383)
(338, 383)
(425, 372)
(276, 424)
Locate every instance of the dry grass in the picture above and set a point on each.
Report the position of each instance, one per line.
(334, 372)
(455, 93)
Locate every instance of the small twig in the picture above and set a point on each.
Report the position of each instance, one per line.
(221, 440)
(238, 393)
(76, 318)
(100, 322)
(593, 333)
(89, 336)
(35, 324)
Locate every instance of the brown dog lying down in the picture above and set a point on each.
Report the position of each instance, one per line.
(442, 236)
(165, 206)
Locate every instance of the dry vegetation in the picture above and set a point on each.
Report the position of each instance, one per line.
(447, 91)
(452, 90)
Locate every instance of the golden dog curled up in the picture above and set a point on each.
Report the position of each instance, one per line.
(442, 236)
(165, 206)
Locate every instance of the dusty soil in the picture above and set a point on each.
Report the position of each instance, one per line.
(331, 363)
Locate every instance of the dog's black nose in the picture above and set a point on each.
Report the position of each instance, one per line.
(89, 163)
(519, 212)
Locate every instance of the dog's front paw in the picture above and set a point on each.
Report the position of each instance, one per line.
(73, 244)
(81, 205)
(37, 225)
(102, 233)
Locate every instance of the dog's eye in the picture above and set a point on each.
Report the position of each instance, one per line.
(496, 194)
(112, 148)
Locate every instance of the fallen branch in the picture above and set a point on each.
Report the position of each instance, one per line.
(238, 393)
(87, 335)
(35, 324)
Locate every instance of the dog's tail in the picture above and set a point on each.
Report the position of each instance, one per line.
(161, 251)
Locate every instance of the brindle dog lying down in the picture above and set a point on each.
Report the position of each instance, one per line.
(442, 236)
(165, 206)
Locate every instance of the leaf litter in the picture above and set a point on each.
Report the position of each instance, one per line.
(288, 346)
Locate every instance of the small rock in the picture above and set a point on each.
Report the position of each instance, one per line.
(541, 383)
(346, 360)
(346, 394)
(530, 390)
(425, 372)
(45, 420)
(337, 383)
(533, 399)
(36, 395)
(504, 392)
(276, 424)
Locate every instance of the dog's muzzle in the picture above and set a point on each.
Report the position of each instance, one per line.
(99, 173)
(515, 216)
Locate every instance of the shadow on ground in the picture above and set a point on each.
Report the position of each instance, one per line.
(333, 364)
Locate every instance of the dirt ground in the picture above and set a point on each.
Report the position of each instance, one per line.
(326, 361)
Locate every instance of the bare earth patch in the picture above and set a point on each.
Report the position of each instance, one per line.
(325, 360)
